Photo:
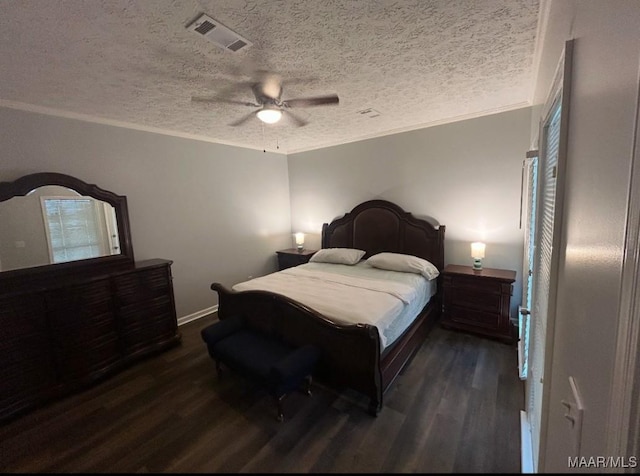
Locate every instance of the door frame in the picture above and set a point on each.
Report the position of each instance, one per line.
(623, 431)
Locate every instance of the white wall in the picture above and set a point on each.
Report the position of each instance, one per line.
(604, 100)
(466, 175)
(219, 212)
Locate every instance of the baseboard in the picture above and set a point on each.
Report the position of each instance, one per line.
(197, 315)
(526, 450)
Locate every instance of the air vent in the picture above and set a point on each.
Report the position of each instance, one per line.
(205, 27)
(237, 45)
(218, 34)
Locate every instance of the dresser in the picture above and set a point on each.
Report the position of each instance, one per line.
(62, 337)
(292, 257)
(478, 301)
(73, 311)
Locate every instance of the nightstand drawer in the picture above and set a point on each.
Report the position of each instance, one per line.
(474, 299)
(470, 282)
(292, 257)
(473, 317)
(288, 261)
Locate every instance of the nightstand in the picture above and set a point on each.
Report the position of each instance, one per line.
(292, 257)
(478, 301)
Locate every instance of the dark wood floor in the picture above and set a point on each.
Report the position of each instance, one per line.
(455, 408)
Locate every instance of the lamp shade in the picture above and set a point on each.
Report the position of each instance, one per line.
(477, 249)
(270, 115)
(299, 238)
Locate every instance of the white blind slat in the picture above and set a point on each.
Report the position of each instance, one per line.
(542, 267)
(74, 228)
(524, 321)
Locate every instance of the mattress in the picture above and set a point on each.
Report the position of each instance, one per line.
(359, 294)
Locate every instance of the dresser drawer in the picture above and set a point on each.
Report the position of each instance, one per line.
(140, 287)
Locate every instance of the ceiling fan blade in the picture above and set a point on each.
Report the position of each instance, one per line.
(297, 119)
(217, 99)
(299, 80)
(229, 87)
(242, 120)
(315, 101)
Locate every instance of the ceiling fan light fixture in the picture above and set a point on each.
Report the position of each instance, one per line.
(270, 115)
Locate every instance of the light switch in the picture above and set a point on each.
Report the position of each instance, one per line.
(574, 410)
(20, 244)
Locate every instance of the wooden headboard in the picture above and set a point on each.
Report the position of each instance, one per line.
(377, 226)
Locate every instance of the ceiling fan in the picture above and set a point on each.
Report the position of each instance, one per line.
(267, 90)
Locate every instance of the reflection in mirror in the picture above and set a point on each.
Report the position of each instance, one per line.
(54, 224)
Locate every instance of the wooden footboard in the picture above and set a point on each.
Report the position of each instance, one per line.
(350, 355)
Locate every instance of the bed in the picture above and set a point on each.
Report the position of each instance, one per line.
(365, 349)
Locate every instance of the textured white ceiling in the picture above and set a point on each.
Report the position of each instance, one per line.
(417, 63)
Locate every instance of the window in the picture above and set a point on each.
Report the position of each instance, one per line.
(543, 280)
(74, 228)
(529, 196)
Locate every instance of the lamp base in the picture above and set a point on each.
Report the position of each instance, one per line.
(300, 248)
(477, 264)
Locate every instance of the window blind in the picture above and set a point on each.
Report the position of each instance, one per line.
(73, 228)
(542, 269)
(530, 181)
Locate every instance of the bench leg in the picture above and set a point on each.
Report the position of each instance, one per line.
(374, 407)
(218, 367)
(309, 380)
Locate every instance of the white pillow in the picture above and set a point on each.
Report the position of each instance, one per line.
(338, 256)
(404, 263)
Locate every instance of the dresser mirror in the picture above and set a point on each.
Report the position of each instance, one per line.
(54, 221)
(75, 307)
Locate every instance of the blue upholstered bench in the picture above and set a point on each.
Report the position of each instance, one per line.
(276, 365)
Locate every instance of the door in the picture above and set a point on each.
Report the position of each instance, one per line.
(546, 251)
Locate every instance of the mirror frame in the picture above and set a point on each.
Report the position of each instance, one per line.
(27, 183)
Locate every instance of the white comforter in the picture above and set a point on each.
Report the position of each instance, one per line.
(353, 299)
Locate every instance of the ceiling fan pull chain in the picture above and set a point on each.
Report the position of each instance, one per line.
(264, 147)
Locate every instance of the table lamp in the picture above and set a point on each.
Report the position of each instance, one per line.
(477, 253)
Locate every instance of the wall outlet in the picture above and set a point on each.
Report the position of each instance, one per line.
(20, 244)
